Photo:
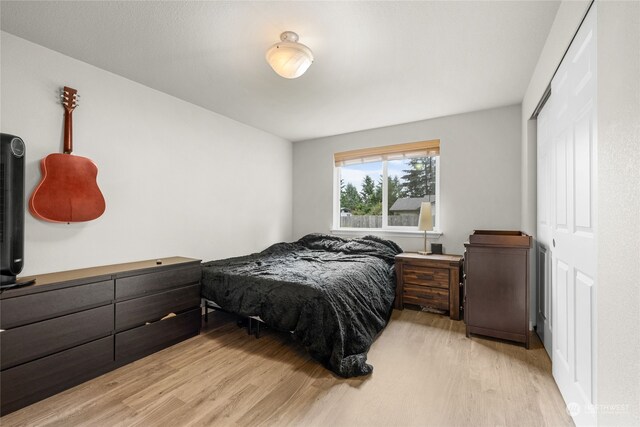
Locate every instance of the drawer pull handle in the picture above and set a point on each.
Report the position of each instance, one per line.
(169, 316)
(424, 276)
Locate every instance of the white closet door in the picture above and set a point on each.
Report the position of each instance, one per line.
(544, 230)
(570, 155)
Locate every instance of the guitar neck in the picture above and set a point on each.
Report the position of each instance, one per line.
(69, 102)
(68, 131)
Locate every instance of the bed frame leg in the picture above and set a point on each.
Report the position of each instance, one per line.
(249, 325)
(258, 329)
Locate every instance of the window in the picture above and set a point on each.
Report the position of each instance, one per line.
(383, 187)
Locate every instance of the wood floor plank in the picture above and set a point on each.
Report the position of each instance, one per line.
(427, 373)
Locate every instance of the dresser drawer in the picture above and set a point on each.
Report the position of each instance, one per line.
(19, 345)
(26, 309)
(144, 284)
(44, 377)
(136, 312)
(426, 296)
(143, 340)
(421, 275)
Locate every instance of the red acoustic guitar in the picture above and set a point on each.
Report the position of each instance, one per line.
(68, 191)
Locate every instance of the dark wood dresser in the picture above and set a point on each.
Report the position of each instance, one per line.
(497, 285)
(429, 281)
(76, 325)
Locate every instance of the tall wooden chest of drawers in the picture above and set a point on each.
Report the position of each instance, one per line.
(497, 285)
(76, 325)
(429, 281)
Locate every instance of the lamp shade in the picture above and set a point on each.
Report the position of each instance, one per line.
(425, 222)
(289, 58)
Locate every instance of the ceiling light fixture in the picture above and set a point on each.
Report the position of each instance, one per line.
(289, 58)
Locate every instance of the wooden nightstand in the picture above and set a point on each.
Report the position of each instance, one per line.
(429, 281)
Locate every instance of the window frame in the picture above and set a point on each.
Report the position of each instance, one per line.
(385, 208)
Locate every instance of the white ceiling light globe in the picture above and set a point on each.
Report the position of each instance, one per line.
(289, 58)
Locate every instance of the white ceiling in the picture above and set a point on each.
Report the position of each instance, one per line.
(376, 63)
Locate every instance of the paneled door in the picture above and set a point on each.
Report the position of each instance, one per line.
(544, 230)
(569, 163)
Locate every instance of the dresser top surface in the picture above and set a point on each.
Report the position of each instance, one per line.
(104, 272)
(504, 238)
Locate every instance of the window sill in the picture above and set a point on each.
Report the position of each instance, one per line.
(384, 232)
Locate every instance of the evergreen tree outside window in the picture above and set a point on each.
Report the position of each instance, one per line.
(383, 187)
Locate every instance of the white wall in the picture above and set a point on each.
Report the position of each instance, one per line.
(177, 179)
(479, 173)
(618, 292)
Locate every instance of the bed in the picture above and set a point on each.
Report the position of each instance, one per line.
(335, 295)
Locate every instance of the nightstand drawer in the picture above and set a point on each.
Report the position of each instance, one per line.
(426, 296)
(425, 276)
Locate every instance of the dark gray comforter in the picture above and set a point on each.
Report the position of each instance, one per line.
(334, 294)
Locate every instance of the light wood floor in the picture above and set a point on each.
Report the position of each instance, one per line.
(427, 373)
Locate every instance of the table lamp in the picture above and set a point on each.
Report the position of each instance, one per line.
(425, 223)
